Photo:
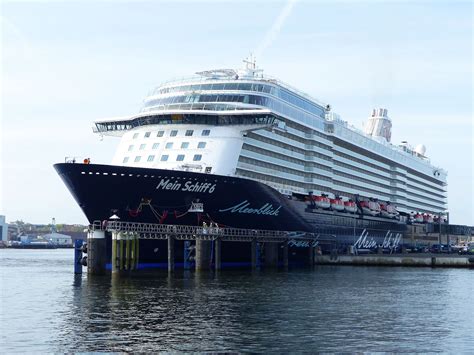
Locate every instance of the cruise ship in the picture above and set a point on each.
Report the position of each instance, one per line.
(241, 149)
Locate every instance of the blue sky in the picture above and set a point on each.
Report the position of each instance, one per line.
(65, 64)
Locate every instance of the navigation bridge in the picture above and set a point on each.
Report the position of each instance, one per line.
(202, 245)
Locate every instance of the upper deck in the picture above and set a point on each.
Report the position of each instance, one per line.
(227, 96)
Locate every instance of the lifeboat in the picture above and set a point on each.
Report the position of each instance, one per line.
(322, 202)
(418, 218)
(388, 210)
(370, 207)
(350, 206)
(337, 204)
(427, 218)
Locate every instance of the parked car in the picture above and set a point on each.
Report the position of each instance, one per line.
(440, 248)
(417, 248)
(467, 249)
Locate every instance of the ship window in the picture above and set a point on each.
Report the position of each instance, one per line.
(202, 145)
(197, 157)
(189, 132)
(164, 157)
(208, 169)
(130, 148)
(180, 157)
(173, 133)
(160, 133)
(155, 145)
(169, 145)
(142, 146)
(137, 159)
(184, 145)
(217, 86)
(205, 132)
(135, 136)
(246, 87)
(231, 86)
(147, 134)
(151, 158)
(125, 160)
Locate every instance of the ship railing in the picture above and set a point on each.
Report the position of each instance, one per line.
(183, 232)
(260, 77)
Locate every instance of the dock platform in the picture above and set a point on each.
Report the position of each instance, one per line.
(421, 259)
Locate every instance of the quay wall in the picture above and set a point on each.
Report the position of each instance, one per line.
(427, 260)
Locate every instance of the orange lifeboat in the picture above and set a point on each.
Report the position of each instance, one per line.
(322, 202)
(388, 210)
(427, 218)
(370, 207)
(350, 206)
(418, 218)
(337, 204)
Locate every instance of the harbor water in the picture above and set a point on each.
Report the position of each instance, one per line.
(46, 308)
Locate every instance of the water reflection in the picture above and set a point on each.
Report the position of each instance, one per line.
(326, 309)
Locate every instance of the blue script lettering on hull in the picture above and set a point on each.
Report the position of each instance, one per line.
(243, 207)
(390, 241)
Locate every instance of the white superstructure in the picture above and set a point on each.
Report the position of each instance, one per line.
(242, 123)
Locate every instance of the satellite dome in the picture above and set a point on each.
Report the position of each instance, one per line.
(420, 149)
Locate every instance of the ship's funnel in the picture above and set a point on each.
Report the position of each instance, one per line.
(379, 124)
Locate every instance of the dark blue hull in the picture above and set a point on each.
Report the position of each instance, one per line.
(165, 196)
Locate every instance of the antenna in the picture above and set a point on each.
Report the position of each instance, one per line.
(251, 69)
(250, 62)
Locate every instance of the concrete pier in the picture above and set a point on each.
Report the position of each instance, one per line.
(96, 253)
(114, 260)
(125, 248)
(254, 254)
(203, 254)
(271, 255)
(127, 251)
(217, 254)
(285, 255)
(429, 260)
(311, 255)
(187, 254)
(170, 254)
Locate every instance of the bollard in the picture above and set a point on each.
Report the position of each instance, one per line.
(78, 256)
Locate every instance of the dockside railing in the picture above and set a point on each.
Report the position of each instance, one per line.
(180, 232)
